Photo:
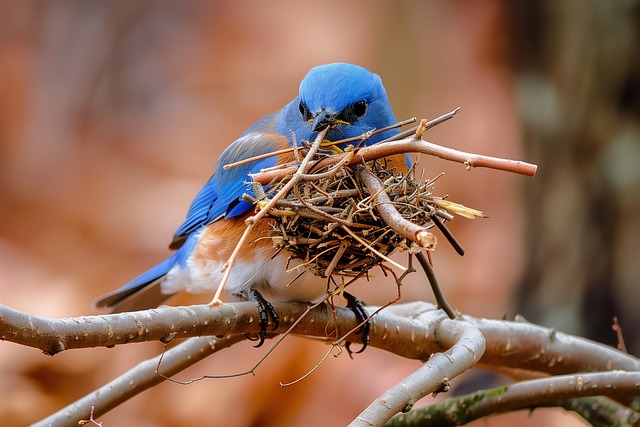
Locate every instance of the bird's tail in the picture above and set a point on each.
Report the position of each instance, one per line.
(141, 293)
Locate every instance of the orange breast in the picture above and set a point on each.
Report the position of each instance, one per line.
(221, 237)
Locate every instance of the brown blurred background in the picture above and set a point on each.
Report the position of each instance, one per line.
(112, 114)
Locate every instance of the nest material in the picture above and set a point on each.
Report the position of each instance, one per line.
(331, 224)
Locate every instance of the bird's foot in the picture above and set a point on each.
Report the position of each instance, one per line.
(362, 317)
(265, 309)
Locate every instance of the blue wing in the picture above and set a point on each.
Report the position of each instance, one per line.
(221, 197)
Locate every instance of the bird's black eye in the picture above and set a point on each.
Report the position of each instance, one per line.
(359, 108)
(353, 112)
(306, 114)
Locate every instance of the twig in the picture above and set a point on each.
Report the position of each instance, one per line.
(429, 125)
(411, 144)
(324, 144)
(618, 330)
(374, 250)
(252, 220)
(448, 235)
(371, 133)
(312, 370)
(390, 214)
(91, 419)
(435, 287)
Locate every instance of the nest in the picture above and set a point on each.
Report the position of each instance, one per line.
(333, 224)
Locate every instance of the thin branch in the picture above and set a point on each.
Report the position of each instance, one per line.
(390, 214)
(523, 395)
(253, 220)
(369, 134)
(441, 300)
(411, 144)
(324, 144)
(600, 411)
(431, 123)
(618, 330)
(432, 377)
(138, 379)
(375, 251)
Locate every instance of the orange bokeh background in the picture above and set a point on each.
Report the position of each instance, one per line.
(111, 117)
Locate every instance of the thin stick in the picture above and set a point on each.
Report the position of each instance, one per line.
(330, 144)
(429, 125)
(390, 214)
(370, 133)
(441, 301)
(258, 157)
(344, 245)
(374, 250)
(411, 144)
(252, 220)
(448, 235)
(216, 301)
(312, 370)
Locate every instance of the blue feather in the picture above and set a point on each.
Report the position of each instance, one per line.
(225, 187)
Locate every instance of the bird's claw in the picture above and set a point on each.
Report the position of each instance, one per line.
(265, 309)
(362, 317)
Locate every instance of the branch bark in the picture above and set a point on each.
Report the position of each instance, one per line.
(511, 344)
(414, 330)
(550, 391)
(432, 377)
(137, 380)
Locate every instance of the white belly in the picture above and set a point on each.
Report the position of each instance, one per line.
(272, 277)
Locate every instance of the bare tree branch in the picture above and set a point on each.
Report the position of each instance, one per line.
(523, 345)
(138, 379)
(602, 412)
(526, 394)
(512, 344)
(166, 323)
(414, 330)
(432, 377)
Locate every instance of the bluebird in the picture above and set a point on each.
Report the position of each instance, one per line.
(347, 99)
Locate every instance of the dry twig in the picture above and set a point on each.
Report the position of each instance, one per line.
(410, 144)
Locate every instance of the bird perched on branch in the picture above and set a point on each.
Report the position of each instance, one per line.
(347, 99)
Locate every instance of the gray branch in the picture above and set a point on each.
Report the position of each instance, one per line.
(432, 377)
(413, 330)
(550, 391)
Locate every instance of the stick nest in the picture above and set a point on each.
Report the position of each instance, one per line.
(331, 223)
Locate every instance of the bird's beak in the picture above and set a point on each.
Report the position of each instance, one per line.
(322, 120)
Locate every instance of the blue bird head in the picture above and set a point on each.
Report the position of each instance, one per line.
(349, 99)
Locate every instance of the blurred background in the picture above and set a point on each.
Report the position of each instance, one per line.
(113, 113)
